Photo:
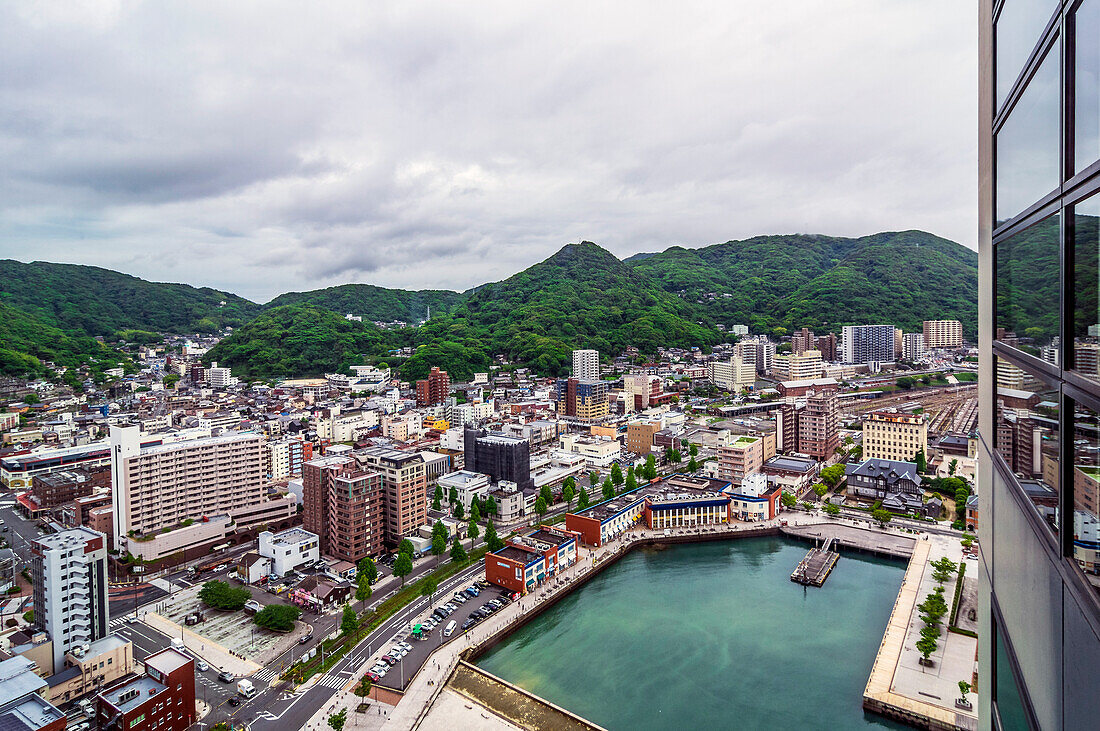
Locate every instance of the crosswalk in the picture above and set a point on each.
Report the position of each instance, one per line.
(118, 622)
(332, 681)
(265, 674)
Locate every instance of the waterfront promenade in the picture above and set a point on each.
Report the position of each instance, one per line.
(415, 708)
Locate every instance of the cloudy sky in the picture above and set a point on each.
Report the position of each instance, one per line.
(266, 147)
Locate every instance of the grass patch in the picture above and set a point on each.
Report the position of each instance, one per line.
(958, 593)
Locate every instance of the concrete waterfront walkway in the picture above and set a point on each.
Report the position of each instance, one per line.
(899, 687)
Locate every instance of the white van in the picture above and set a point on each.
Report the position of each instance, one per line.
(450, 628)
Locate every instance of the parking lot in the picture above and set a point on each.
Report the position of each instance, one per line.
(234, 631)
(399, 674)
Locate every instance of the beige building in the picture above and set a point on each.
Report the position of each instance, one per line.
(818, 425)
(639, 436)
(734, 374)
(106, 660)
(743, 456)
(790, 367)
(161, 486)
(894, 435)
(943, 334)
(404, 484)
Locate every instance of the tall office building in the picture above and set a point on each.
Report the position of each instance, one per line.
(867, 344)
(69, 572)
(586, 365)
(501, 457)
(1039, 173)
(942, 333)
(433, 390)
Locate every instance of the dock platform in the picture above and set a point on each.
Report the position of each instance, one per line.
(816, 566)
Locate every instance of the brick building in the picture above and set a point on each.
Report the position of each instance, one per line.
(162, 699)
(434, 389)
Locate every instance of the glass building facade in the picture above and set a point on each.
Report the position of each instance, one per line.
(1039, 477)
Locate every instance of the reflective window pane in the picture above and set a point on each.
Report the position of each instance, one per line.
(1087, 85)
(1027, 145)
(1086, 489)
(1027, 435)
(1010, 707)
(1018, 29)
(1086, 286)
(1027, 274)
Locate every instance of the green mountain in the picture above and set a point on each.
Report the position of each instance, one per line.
(27, 341)
(374, 303)
(97, 301)
(299, 340)
(816, 281)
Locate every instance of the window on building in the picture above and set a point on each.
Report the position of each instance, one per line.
(1027, 145)
(1087, 85)
(1018, 28)
(1006, 692)
(1086, 286)
(1027, 287)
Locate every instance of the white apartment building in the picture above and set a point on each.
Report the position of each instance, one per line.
(805, 367)
(586, 365)
(289, 550)
(599, 452)
(160, 486)
(942, 334)
(734, 374)
(69, 571)
(912, 346)
(220, 378)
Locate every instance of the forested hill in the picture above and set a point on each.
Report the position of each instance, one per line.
(900, 278)
(95, 301)
(374, 303)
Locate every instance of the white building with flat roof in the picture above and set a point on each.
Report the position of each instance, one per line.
(289, 550)
(586, 365)
(69, 572)
(467, 484)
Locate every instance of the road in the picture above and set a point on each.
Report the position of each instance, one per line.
(275, 708)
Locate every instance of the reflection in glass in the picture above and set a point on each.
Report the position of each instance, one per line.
(1027, 145)
(1027, 435)
(1086, 490)
(1018, 29)
(1087, 85)
(1010, 707)
(1086, 285)
(1027, 275)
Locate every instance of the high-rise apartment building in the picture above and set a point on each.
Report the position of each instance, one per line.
(802, 341)
(405, 487)
(161, 486)
(69, 576)
(894, 435)
(943, 334)
(585, 400)
(741, 457)
(586, 365)
(344, 505)
(734, 374)
(1039, 219)
(912, 346)
(804, 366)
(641, 390)
(283, 459)
(827, 345)
(433, 390)
(757, 350)
(867, 344)
(818, 425)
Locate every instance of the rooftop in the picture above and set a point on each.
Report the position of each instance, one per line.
(28, 711)
(68, 540)
(293, 536)
(130, 695)
(517, 554)
(167, 660)
(197, 443)
(791, 464)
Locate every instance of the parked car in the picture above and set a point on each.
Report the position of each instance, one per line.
(461, 598)
(406, 646)
(390, 659)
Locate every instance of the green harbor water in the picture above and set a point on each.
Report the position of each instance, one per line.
(710, 636)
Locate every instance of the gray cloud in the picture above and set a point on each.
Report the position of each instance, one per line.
(266, 147)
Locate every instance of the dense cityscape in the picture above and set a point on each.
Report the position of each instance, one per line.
(413, 368)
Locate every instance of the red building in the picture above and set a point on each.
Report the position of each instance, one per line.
(162, 699)
(527, 561)
(434, 389)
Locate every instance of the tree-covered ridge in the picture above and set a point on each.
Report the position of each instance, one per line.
(374, 303)
(26, 343)
(581, 297)
(300, 340)
(796, 280)
(98, 301)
